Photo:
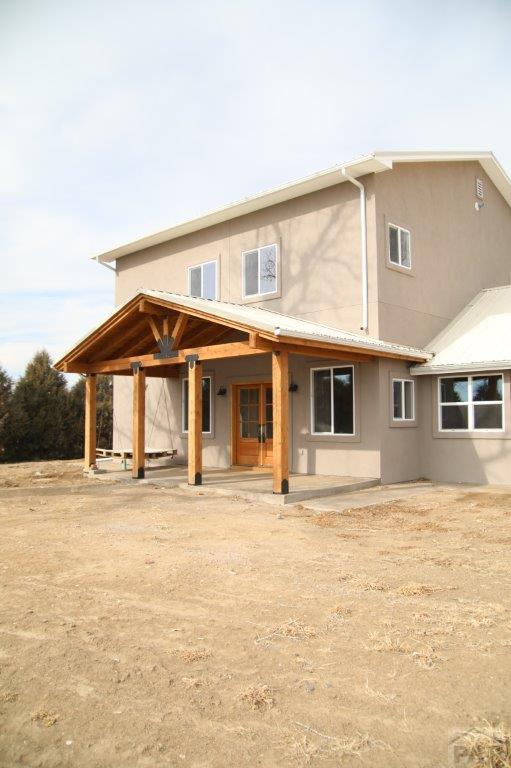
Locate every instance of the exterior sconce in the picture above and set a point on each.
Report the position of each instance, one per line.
(222, 392)
(293, 387)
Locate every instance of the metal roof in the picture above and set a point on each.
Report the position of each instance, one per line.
(478, 339)
(268, 321)
(373, 163)
(284, 325)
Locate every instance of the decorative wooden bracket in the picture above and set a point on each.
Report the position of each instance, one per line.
(165, 345)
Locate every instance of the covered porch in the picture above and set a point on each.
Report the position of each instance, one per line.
(163, 335)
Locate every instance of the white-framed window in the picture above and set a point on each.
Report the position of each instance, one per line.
(403, 400)
(333, 401)
(260, 271)
(399, 246)
(207, 409)
(471, 403)
(202, 280)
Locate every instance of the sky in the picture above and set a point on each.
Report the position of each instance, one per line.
(118, 119)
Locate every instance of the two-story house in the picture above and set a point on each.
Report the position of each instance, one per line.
(332, 326)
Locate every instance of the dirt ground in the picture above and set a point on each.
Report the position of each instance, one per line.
(142, 626)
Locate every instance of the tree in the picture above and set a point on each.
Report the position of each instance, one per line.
(76, 415)
(5, 402)
(37, 420)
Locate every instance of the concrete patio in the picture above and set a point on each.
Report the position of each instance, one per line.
(250, 484)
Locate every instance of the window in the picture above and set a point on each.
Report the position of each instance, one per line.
(403, 400)
(332, 401)
(469, 403)
(260, 271)
(202, 280)
(206, 405)
(399, 246)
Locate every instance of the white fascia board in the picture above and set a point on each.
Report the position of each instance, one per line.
(289, 191)
(478, 367)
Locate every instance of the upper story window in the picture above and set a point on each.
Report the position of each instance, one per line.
(332, 401)
(403, 400)
(206, 405)
(399, 247)
(259, 271)
(469, 403)
(202, 280)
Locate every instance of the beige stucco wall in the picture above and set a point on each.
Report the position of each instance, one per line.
(456, 250)
(463, 458)
(358, 456)
(320, 267)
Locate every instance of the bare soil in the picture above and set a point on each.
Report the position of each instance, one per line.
(142, 626)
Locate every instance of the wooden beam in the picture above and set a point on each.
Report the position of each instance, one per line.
(166, 325)
(138, 466)
(212, 352)
(152, 309)
(312, 351)
(155, 329)
(90, 422)
(253, 338)
(280, 383)
(179, 329)
(194, 423)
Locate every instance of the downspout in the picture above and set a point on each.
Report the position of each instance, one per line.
(104, 264)
(363, 247)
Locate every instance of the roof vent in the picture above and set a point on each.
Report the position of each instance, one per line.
(479, 189)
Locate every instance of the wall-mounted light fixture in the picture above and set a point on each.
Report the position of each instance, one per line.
(293, 387)
(222, 392)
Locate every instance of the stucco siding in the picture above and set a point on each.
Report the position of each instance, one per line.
(358, 456)
(318, 236)
(456, 250)
(463, 458)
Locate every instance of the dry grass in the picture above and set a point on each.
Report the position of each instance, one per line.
(342, 610)
(486, 746)
(292, 628)
(45, 718)
(411, 590)
(392, 642)
(190, 655)
(7, 697)
(259, 697)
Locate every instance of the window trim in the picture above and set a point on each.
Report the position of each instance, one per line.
(312, 423)
(203, 264)
(402, 381)
(244, 293)
(470, 404)
(399, 264)
(185, 378)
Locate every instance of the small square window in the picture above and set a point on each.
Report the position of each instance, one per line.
(259, 271)
(202, 281)
(403, 393)
(399, 247)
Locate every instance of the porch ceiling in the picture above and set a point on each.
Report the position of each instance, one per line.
(160, 330)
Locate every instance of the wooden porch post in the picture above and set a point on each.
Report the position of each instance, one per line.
(194, 423)
(138, 465)
(280, 381)
(90, 422)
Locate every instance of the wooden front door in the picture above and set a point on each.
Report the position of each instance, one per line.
(253, 425)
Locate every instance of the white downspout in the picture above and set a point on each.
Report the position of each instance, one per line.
(363, 247)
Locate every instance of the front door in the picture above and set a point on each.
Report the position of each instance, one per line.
(253, 425)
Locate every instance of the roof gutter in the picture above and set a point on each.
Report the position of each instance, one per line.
(104, 264)
(363, 248)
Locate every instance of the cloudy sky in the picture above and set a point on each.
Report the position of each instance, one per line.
(119, 118)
